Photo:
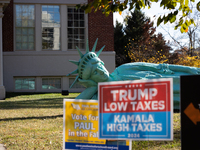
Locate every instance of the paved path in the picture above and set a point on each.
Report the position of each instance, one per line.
(2, 147)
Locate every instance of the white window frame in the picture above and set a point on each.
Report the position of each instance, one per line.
(38, 23)
(15, 29)
(21, 90)
(59, 47)
(52, 78)
(73, 27)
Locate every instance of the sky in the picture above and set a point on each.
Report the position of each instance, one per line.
(154, 12)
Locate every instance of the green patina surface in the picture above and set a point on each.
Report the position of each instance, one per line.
(91, 70)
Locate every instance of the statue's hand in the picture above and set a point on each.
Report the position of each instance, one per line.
(153, 75)
(167, 71)
(195, 70)
(164, 69)
(87, 83)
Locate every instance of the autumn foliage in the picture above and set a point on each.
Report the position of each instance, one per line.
(183, 57)
(138, 42)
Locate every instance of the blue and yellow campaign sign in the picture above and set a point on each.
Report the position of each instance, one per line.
(81, 126)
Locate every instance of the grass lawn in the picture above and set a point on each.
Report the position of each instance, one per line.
(35, 121)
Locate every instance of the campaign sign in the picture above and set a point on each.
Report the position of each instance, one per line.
(138, 110)
(80, 126)
(190, 112)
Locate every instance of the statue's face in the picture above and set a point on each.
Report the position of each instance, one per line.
(99, 73)
(96, 71)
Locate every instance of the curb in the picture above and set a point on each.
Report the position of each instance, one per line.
(2, 147)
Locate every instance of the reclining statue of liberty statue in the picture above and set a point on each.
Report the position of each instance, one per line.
(91, 70)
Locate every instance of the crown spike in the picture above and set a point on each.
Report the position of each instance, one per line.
(74, 81)
(99, 52)
(74, 62)
(74, 72)
(87, 47)
(94, 47)
(80, 54)
(84, 59)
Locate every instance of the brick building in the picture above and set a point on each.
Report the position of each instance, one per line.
(38, 38)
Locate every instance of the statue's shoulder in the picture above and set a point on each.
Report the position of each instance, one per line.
(128, 67)
(123, 66)
(133, 64)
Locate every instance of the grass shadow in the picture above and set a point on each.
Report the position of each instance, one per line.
(40, 103)
(12, 94)
(26, 118)
(34, 100)
(15, 94)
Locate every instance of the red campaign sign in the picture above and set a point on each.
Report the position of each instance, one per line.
(135, 96)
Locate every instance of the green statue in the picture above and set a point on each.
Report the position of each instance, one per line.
(91, 70)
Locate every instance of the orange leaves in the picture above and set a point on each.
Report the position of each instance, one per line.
(186, 30)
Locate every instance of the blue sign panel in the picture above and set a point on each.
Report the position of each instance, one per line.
(138, 126)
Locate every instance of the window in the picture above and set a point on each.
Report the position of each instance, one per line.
(50, 27)
(76, 28)
(25, 83)
(76, 85)
(51, 83)
(25, 27)
(41, 27)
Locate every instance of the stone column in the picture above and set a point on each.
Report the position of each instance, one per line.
(2, 88)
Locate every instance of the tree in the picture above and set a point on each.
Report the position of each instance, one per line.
(175, 6)
(188, 41)
(184, 59)
(141, 42)
(193, 32)
(137, 24)
(121, 56)
(153, 50)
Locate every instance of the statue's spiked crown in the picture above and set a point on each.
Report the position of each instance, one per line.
(84, 60)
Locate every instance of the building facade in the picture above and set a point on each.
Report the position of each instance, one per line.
(39, 37)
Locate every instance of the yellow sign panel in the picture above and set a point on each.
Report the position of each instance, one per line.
(81, 122)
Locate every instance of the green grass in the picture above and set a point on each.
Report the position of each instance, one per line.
(35, 122)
